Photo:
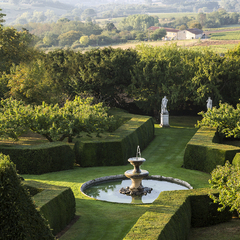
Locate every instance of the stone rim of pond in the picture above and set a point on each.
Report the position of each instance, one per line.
(98, 181)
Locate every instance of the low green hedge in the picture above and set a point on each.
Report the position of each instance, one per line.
(202, 154)
(19, 218)
(118, 146)
(174, 212)
(42, 158)
(236, 159)
(55, 203)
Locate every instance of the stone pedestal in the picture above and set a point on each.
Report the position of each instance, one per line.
(164, 117)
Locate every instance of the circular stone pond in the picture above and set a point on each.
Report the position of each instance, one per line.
(107, 188)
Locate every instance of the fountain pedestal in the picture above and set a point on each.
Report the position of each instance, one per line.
(136, 175)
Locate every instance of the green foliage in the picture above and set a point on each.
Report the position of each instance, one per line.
(84, 40)
(203, 154)
(174, 212)
(226, 179)
(56, 203)
(105, 73)
(15, 48)
(19, 218)
(158, 34)
(1, 17)
(42, 158)
(163, 71)
(137, 22)
(225, 119)
(53, 122)
(119, 146)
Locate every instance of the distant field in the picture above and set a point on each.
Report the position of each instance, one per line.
(175, 15)
(233, 35)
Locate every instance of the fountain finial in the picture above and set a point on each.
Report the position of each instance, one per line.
(138, 154)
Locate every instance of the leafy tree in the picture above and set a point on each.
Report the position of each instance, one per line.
(226, 179)
(138, 22)
(162, 71)
(105, 73)
(53, 122)
(68, 38)
(15, 48)
(84, 40)
(225, 119)
(195, 24)
(50, 39)
(33, 84)
(158, 34)
(1, 17)
(110, 26)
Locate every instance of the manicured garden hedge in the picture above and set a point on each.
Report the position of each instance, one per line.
(203, 154)
(174, 212)
(119, 146)
(42, 158)
(19, 218)
(55, 203)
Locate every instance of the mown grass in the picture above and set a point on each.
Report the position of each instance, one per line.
(102, 220)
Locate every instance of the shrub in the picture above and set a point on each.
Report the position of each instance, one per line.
(225, 119)
(42, 158)
(226, 179)
(19, 218)
(55, 203)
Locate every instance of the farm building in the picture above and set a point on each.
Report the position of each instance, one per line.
(175, 34)
(193, 33)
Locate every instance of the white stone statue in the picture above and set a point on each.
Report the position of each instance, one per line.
(209, 103)
(164, 105)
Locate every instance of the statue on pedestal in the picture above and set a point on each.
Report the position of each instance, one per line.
(164, 105)
(209, 103)
(164, 116)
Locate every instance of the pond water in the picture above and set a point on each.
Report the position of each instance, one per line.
(109, 191)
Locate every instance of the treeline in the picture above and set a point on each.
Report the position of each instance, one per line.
(117, 77)
(77, 34)
(206, 20)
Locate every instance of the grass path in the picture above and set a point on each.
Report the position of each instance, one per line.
(102, 220)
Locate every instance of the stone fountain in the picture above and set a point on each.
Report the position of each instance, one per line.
(136, 175)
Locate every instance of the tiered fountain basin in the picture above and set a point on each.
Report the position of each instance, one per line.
(107, 188)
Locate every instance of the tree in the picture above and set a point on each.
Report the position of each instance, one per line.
(68, 38)
(158, 34)
(110, 26)
(105, 74)
(195, 24)
(15, 48)
(53, 122)
(50, 39)
(162, 71)
(32, 83)
(84, 40)
(1, 17)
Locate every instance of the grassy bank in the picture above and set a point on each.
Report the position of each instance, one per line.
(102, 220)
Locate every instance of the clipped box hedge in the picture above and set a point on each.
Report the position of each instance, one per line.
(202, 154)
(19, 218)
(55, 203)
(41, 158)
(173, 213)
(118, 146)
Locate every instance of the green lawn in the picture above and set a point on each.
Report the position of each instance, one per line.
(102, 220)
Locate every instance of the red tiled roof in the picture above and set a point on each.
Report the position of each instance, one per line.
(171, 30)
(153, 28)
